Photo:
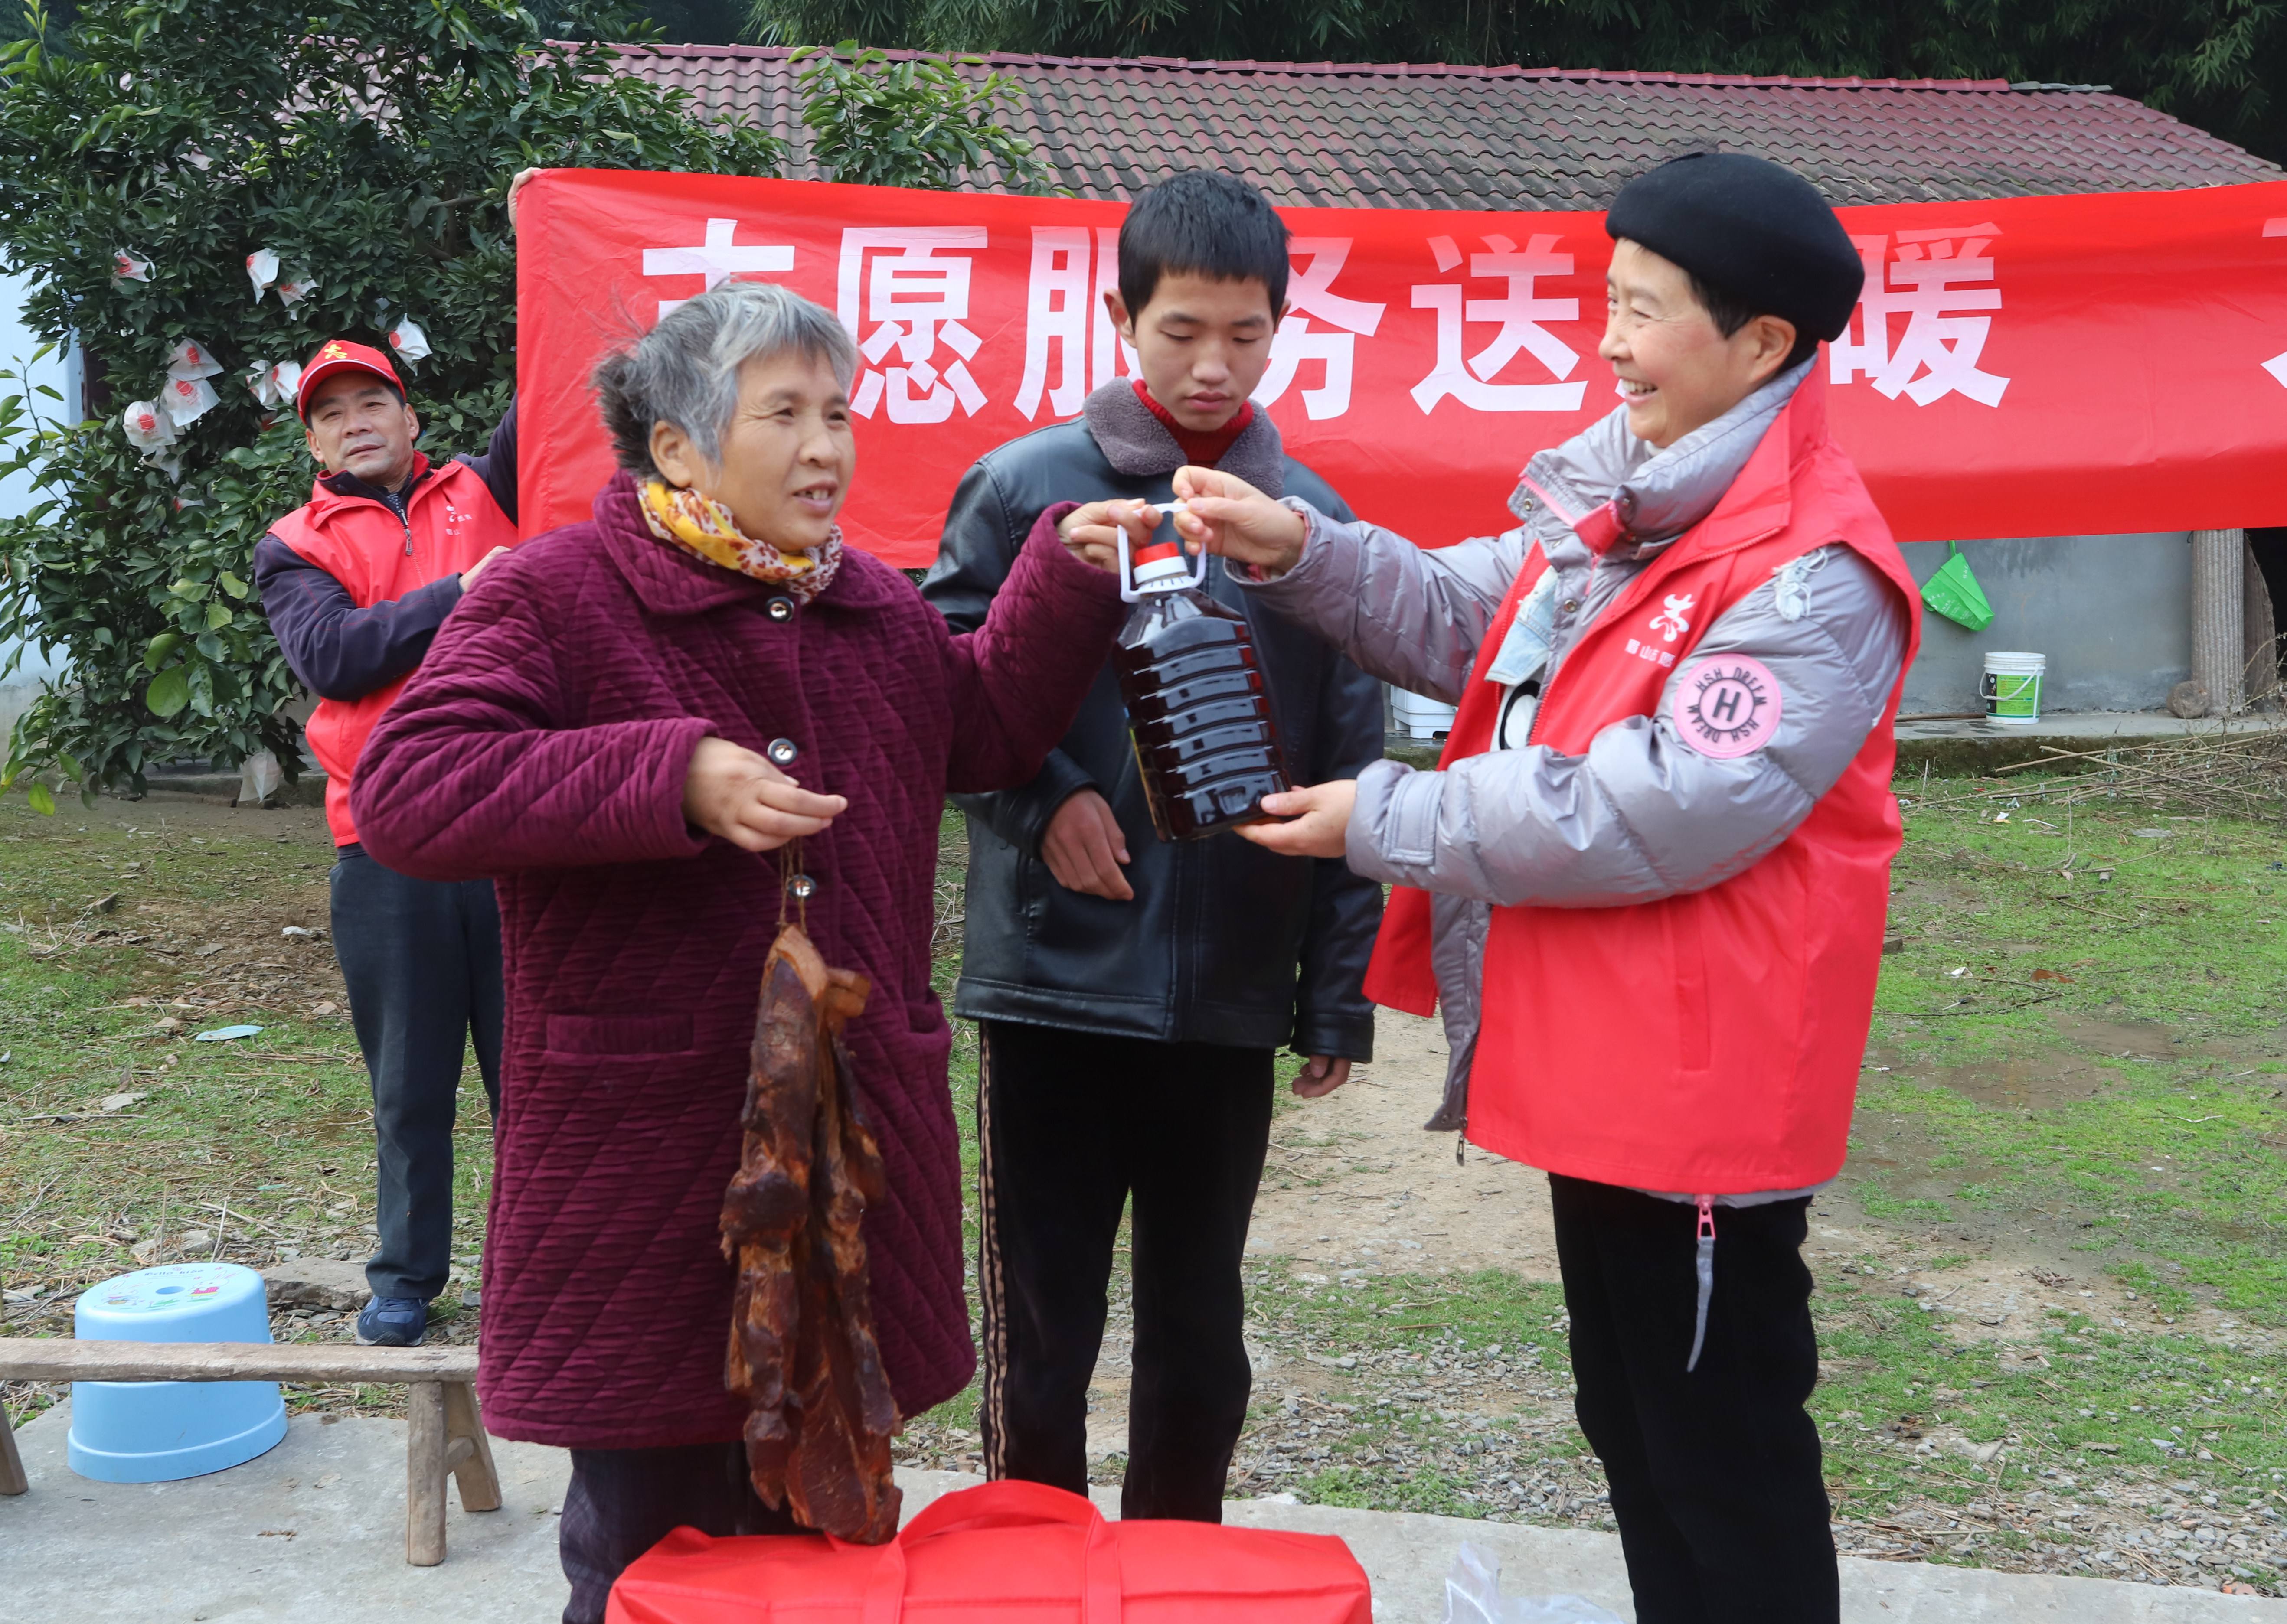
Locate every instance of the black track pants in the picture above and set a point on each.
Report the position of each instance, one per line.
(422, 961)
(1715, 1475)
(1070, 1124)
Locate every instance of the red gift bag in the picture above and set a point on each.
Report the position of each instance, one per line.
(1002, 1551)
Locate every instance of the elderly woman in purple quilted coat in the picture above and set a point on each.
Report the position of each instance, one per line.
(639, 727)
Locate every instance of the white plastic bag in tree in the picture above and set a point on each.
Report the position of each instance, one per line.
(261, 384)
(170, 465)
(129, 267)
(285, 378)
(294, 289)
(188, 400)
(150, 429)
(261, 269)
(259, 779)
(191, 359)
(1473, 1596)
(409, 341)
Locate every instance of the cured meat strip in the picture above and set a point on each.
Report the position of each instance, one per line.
(802, 1350)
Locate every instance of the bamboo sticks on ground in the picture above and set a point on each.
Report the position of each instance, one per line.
(2226, 772)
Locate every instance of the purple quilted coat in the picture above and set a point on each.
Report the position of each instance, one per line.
(544, 743)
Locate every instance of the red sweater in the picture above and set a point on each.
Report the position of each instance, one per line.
(1202, 448)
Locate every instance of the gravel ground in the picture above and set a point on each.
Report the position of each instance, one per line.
(1489, 1432)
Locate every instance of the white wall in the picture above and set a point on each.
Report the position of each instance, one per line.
(17, 343)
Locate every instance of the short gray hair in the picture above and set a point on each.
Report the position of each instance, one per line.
(686, 370)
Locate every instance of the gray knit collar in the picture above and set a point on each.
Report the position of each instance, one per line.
(1656, 494)
(1138, 444)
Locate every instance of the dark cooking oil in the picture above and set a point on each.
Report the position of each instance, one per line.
(1199, 714)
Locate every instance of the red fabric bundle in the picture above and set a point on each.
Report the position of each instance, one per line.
(1002, 1550)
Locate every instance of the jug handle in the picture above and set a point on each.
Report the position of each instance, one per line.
(1127, 592)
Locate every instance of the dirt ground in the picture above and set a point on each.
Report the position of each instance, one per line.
(1354, 1184)
(228, 951)
(1352, 1181)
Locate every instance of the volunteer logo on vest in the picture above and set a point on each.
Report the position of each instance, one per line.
(1729, 706)
(1669, 622)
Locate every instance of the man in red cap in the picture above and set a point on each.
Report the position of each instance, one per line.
(356, 582)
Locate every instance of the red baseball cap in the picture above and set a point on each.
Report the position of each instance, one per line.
(339, 355)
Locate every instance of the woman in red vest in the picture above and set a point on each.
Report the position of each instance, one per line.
(1647, 882)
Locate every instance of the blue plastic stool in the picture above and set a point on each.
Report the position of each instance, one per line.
(157, 1431)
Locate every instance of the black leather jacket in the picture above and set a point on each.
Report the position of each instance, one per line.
(1225, 943)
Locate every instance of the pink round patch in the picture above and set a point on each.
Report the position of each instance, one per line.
(1727, 707)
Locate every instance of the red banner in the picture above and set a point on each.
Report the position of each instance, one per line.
(2025, 366)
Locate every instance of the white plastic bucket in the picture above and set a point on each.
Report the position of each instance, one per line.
(2013, 685)
(1419, 716)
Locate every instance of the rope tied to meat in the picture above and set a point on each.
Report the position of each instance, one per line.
(802, 1352)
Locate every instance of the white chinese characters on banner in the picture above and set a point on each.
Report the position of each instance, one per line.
(2277, 365)
(1309, 294)
(1520, 312)
(716, 257)
(1068, 334)
(913, 296)
(1938, 353)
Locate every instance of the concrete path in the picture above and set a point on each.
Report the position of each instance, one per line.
(316, 1529)
(2108, 727)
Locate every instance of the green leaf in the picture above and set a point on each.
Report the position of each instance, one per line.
(219, 616)
(168, 692)
(231, 583)
(42, 802)
(156, 650)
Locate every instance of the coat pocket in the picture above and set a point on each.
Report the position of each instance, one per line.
(615, 1037)
(1687, 951)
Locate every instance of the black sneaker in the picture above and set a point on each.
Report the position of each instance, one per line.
(393, 1322)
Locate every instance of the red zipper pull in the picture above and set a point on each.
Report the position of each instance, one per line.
(1704, 1266)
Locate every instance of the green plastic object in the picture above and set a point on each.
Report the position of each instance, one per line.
(1954, 593)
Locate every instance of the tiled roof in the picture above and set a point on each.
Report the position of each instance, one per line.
(1408, 135)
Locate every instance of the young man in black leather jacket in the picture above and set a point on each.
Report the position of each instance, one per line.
(1132, 993)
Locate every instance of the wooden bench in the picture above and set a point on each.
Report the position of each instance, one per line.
(444, 1435)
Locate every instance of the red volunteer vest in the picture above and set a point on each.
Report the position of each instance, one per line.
(452, 521)
(1707, 1043)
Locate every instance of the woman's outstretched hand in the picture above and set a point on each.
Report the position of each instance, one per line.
(1320, 821)
(731, 792)
(1224, 514)
(1091, 533)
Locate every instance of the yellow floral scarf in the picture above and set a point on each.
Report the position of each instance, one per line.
(702, 525)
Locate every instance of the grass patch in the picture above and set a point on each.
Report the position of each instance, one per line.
(1453, 1394)
(123, 935)
(2085, 1018)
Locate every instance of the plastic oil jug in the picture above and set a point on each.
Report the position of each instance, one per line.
(1197, 708)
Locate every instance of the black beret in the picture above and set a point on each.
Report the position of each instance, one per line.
(1749, 228)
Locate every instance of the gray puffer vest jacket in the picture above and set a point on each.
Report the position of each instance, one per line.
(1640, 817)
